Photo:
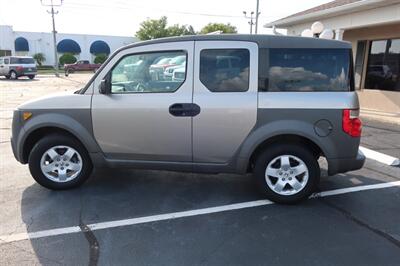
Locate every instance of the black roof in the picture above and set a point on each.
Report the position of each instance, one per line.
(263, 41)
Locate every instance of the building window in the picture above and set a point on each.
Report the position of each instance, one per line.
(99, 47)
(68, 46)
(21, 44)
(383, 70)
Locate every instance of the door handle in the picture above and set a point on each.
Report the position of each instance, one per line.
(184, 109)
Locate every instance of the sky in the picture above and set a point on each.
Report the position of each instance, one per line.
(123, 17)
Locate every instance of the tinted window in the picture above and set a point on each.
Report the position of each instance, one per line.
(6, 61)
(225, 70)
(309, 70)
(141, 73)
(16, 60)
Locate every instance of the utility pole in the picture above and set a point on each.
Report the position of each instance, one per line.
(52, 12)
(257, 14)
(251, 23)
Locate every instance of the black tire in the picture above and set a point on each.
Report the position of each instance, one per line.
(56, 140)
(297, 150)
(13, 75)
(31, 76)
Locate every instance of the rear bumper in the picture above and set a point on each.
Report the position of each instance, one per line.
(26, 72)
(336, 166)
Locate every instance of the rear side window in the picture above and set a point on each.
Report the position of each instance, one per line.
(16, 60)
(309, 70)
(225, 70)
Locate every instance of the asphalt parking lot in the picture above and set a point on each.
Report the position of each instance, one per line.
(138, 217)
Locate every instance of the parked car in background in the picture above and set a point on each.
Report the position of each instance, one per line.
(179, 73)
(158, 70)
(13, 67)
(169, 71)
(81, 65)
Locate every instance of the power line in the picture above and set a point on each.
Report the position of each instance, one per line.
(128, 6)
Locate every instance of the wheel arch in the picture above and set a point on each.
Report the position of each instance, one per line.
(47, 124)
(40, 133)
(287, 139)
(293, 131)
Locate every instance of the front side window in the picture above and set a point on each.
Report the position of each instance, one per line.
(141, 73)
(6, 61)
(1, 61)
(309, 70)
(225, 70)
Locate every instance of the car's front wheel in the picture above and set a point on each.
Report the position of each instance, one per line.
(31, 76)
(287, 173)
(59, 162)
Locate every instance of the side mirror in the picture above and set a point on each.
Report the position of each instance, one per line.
(104, 87)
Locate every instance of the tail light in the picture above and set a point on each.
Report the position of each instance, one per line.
(19, 68)
(351, 122)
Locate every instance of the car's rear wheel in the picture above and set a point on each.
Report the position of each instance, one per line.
(13, 74)
(31, 76)
(59, 162)
(287, 173)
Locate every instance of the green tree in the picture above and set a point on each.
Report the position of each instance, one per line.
(67, 58)
(100, 58)
(225, 28)
(40, 58)
(179, 30)
(157, 28)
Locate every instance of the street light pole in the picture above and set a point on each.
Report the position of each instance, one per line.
(251, 23)
(52, 12)
(257, 14)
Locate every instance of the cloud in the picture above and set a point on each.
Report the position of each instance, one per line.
(294, 74)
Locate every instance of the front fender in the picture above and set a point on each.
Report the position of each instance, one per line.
(77, 122)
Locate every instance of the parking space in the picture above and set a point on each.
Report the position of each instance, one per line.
(356, 228)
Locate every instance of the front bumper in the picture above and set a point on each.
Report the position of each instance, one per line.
(336, 166)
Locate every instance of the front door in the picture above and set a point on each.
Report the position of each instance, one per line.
(144, 117)
(225, 88)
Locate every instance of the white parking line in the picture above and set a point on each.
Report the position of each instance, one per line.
(380, 157)
(176, 215)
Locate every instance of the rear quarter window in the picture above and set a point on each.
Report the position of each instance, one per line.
(307, 70)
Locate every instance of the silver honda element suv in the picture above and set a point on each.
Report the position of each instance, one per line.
(270, 105)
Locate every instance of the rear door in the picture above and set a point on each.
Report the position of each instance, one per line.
(227, 96)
